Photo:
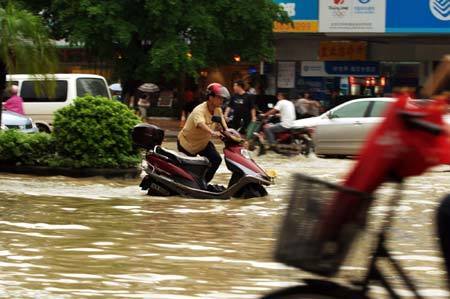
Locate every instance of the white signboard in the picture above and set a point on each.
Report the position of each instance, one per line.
(286, 74)
(352, 15)
(313, 69)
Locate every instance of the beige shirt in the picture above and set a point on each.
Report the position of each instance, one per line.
(191, 137)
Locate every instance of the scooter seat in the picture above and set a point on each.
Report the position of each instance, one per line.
(180, 157)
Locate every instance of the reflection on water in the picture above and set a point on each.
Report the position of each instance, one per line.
(80, 238)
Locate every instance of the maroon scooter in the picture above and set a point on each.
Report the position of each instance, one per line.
(173, 173)
(293, 141)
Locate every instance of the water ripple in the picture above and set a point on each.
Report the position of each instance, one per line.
(146, 277)
(45, 225)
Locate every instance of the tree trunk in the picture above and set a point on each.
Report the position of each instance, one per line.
(2, 87)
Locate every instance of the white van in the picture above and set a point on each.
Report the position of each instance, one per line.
(41, 107)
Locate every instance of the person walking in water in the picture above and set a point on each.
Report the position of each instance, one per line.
(243, 106)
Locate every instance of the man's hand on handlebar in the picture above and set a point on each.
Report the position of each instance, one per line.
(216, 134)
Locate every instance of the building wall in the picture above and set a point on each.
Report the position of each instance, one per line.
(407, 52)
(296, 49)
(414, 49)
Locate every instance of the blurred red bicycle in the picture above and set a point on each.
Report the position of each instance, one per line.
(323, 219)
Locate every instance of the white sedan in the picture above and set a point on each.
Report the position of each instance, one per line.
(344, 129)
(12, 120)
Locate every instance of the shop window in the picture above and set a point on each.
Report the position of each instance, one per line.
(401, 74)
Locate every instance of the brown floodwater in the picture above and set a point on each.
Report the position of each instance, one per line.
(96, 238)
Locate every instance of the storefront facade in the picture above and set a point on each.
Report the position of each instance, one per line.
(358, 47)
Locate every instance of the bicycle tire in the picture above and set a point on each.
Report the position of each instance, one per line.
(316, 291)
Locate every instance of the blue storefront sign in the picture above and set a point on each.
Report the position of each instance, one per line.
(353, 68)
(418, 16)
(340, 68)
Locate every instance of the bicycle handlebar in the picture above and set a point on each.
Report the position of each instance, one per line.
(426, 126)
(413, 119)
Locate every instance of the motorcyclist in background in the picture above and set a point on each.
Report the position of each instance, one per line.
(287, 115)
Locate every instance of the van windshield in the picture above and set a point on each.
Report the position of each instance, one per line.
(92, 86)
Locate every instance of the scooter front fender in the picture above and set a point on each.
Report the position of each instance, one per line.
(236, 162)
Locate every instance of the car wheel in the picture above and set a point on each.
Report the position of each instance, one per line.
(304, 145)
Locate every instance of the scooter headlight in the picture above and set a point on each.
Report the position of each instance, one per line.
(246, 154)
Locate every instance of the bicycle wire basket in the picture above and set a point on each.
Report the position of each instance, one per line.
(302, 242)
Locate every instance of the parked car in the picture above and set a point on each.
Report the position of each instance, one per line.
(68, 87)
(344, 129)
(12, 120)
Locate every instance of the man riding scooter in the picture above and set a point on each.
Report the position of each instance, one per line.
(173, 173)
(195, 137)
(286, 109)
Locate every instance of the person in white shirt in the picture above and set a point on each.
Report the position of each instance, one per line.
(307, 107)
(287, 114)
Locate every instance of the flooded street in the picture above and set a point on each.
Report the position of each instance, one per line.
(96, 238)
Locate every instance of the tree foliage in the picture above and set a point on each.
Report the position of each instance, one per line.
(150, 39)
(24, 45)
(24, 42)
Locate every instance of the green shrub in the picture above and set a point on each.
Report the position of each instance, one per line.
(27, 149)
(94, 132)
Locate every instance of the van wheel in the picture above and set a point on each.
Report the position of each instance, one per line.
(43, 128)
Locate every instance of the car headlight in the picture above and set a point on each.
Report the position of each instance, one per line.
(246, 154)
(29, 124)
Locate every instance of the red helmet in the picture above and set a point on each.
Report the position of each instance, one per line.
(217, 89)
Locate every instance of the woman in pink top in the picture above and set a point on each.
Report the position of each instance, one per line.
(15, 102)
